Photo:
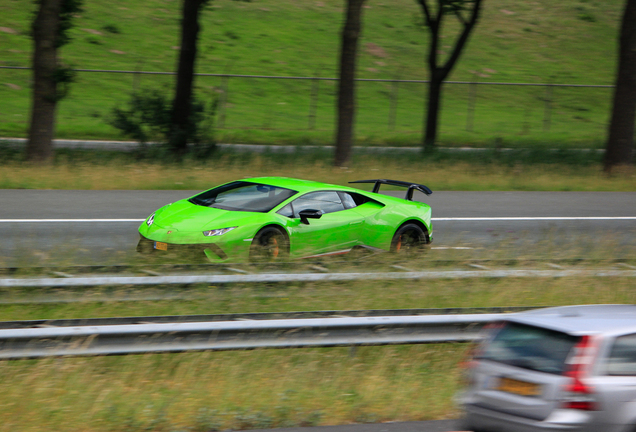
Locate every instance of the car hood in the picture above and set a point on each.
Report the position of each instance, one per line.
(185, 216)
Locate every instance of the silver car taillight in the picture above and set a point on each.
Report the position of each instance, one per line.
(577, 394)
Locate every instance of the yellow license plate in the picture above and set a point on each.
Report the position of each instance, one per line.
(522, 388)
(161, 246)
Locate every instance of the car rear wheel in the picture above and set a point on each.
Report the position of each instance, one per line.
(408, 239)
(269, 244)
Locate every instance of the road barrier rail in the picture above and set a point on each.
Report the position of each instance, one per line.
(215, 279)
(136, 335)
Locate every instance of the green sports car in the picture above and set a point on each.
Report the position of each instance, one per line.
(271, 218)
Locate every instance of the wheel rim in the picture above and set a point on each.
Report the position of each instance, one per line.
(274, 249)
(408, 241)
(269, 246)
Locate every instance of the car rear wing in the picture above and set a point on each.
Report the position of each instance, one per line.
(409, 193)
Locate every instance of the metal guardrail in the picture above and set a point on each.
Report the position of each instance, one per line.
(20, 343)
(209, 267)
(305, 277)
(259, 316)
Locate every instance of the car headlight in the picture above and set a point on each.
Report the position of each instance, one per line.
(150, 220)
(217, 232)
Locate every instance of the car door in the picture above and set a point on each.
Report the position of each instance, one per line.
(615, 384)
(332, 232)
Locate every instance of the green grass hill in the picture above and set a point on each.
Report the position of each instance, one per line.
(540, 41)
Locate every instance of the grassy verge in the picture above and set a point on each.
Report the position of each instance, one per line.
(234, 390)
(537, 170)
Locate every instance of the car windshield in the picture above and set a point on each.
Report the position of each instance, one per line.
(530, 347)
(243, 196)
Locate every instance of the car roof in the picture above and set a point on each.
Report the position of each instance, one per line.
(581, 320)
(299, 184)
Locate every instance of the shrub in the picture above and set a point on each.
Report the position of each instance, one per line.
(148, 118)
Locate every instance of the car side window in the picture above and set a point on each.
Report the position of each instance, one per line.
(327, 201)
(286, 211)
(622, 358)
(352, 199)
(348, 200)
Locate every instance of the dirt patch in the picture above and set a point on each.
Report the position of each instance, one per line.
(8, 30)
(117, 52)
(93, 31)
(376, 50)
(13, 86)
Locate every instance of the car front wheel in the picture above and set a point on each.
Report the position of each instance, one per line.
(269, 244)
(408, 239)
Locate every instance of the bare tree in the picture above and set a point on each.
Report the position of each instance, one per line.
(52, 20)
(467, 13)
(182, 103)
(620, 141)
(346, 85)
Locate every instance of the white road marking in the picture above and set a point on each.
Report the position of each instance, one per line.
(67, 220)
(477, 219)
(451, 247)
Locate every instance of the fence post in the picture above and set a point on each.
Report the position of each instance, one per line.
(313, 103)
(394, 102)
(137, 75)
(224, 90)
(547, 114)
(472, 94)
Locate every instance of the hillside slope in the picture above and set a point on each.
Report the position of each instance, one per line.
(573, 42)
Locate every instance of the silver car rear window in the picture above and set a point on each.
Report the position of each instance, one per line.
(529, 347)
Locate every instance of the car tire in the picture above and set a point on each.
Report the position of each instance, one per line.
(408, 239)
(269, 244)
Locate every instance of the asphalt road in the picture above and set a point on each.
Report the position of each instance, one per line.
(100, 226)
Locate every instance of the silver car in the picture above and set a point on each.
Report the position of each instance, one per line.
(567, 368)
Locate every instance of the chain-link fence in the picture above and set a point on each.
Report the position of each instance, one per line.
(385, 106)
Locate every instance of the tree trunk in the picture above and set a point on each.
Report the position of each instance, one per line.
(433, 105)
(346, 85)
(620, 140)
(185, 76)
(42, 128)
(433, 20)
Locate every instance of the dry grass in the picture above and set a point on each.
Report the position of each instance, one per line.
(238, 390)
(444, 175)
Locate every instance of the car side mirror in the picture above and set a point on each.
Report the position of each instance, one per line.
(309, 214)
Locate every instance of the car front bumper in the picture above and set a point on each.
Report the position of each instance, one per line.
(211, 250)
